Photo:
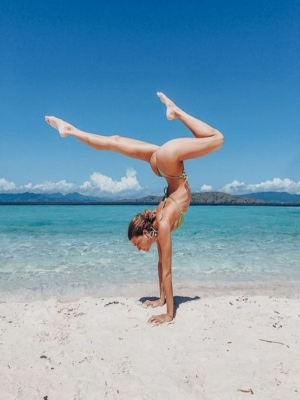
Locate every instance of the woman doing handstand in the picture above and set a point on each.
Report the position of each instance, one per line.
(167, 160)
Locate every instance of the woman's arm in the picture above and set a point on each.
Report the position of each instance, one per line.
(165, 243)
(161, 301)
(162, 297)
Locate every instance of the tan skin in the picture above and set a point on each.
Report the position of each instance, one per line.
(169, 157)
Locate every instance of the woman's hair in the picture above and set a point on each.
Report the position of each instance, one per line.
(141, 221)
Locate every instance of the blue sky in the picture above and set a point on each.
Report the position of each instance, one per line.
(98, 64)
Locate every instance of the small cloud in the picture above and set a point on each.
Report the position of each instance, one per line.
(102, 184)
(206, 188)
(6, 185)
(276, 185)
(62, 186)
(234, 187)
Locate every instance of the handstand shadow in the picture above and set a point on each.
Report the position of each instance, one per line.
(178, 300)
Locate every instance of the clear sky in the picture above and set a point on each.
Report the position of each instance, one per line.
(98, 64)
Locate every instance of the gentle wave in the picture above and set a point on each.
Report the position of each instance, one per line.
(66, 251)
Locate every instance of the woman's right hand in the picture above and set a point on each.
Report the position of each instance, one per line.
(154, 303)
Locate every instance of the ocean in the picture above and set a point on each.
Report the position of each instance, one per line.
(73, 251)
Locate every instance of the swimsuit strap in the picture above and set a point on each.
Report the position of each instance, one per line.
(164, 200)
(175, 202)
(181, 214)
(184, 176)
(164, 175)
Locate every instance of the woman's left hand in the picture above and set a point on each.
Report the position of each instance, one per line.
(160, 319)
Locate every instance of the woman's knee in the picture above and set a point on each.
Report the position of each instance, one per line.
(113, 141)
(219, 138)
(115, 138)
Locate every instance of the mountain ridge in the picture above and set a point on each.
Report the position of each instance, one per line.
(260, 198)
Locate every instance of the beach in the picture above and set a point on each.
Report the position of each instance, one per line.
(73, 325)
(149, 150)
(219, 346)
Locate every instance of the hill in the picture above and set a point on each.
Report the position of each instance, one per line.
(211, 198)
(275, 197)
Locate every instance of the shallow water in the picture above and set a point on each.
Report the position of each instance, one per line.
(72, 251)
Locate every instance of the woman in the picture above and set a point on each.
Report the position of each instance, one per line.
(167, 161)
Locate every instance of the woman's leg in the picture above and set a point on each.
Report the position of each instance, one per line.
(207, 139)
(129, 147)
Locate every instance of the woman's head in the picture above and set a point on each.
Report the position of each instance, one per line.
(139, 229)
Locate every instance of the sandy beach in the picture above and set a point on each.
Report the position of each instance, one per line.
(231, 346)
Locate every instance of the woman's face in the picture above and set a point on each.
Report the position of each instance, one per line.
(142, 242)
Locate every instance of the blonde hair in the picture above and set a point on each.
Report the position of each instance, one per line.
(140, 222)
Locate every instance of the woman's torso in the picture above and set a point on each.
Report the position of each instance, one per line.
(178, 191)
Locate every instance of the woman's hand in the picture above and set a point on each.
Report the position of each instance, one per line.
(154, 303)
(160, 319)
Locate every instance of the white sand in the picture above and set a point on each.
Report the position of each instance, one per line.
(104, 349)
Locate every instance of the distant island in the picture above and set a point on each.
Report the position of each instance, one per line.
(205, 198)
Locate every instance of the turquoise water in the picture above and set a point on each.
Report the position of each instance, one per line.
(71, 251)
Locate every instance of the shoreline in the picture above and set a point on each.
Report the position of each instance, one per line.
(290, 289)
(129, 203)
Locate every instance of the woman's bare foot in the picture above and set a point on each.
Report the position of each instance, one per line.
(64, 128)
(172, 109)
